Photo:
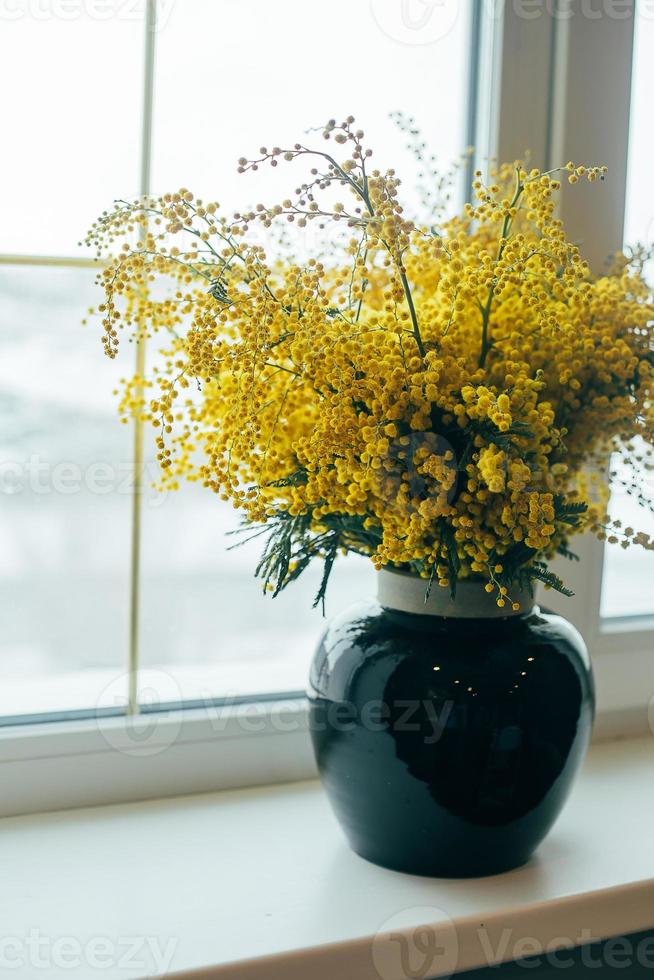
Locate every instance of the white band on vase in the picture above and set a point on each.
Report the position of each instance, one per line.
(406, 593)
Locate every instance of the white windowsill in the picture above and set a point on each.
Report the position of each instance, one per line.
(259, 884)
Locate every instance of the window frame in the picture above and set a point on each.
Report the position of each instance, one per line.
(543, 61)
(548, 61)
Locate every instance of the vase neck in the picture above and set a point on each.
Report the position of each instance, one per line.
(406, 593)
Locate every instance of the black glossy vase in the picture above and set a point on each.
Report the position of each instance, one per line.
(448, 738)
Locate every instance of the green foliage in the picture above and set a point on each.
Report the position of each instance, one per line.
(503, 439)
(569, 511)
(538, 571)
(565, 552)
(291, 545)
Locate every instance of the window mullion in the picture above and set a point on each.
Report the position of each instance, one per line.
(563, 91)
(591, 99)
(522, 56)
(138, 452)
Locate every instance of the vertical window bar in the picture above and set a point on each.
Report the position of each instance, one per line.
(472, 122)
(138, 456)
(589, 123)
(560, 86)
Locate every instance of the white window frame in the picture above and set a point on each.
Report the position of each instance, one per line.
(545, 56)
(583, 62)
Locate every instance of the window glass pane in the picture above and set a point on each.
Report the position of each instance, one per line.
(629, 575)
(70, 74)
(628, 584)
(65, 485)
(233, 75)
(208, 630)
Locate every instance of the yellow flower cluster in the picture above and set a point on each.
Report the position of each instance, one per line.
(432, 398)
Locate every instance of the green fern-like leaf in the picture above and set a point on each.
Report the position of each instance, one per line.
(569, 511)
(542, 573)
(565, 552)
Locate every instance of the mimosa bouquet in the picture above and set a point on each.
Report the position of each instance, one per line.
(433, 394)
